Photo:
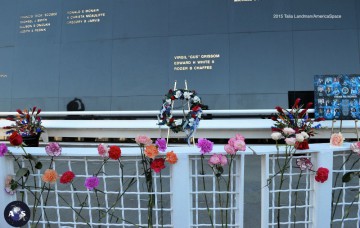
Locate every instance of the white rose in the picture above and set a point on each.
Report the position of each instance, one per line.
(178, 94)
(178, 122)
(168, 101)
(305, 135)
(187, 95)
(196, 99)
(276, 136)
(299, 138)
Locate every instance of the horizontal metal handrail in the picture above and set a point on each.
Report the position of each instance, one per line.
(150, 113)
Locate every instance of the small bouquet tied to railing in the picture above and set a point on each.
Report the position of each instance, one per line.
(224, 178)
(291, 131)
(28, 124)
(153, 160)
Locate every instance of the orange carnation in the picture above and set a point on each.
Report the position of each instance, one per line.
(151, 151)
(50, 176)
(171, 157)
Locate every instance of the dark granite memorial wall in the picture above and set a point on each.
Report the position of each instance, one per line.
(126, 54)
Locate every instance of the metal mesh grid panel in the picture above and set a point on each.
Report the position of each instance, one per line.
(345, 196)
(128, 210)
(212, 193)
(289, 198)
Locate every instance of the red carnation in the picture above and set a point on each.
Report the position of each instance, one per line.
(67, 177)
(158, 164)
(114, 152)
(15, 139)
(304, 145)
(322, 174)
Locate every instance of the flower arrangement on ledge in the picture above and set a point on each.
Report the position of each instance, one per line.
(26, 122)
(295, 128)
(217, 163)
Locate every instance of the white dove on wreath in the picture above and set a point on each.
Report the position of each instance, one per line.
(190, 121)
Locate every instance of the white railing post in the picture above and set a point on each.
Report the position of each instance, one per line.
(7, 168)
(181, 189)
(264, 191)
(321, 196)
(240, 188)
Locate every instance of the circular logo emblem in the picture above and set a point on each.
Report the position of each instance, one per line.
(17, 214)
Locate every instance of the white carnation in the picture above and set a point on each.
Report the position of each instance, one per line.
(305, 135)
(276, 136)
(299, 138)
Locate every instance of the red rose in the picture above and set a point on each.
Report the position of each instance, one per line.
(19, 111)
(171, 120)
(114, 152)
(302, 113)
(15, 139)
(274, 118)
(322, 175)
(304, 145)
(67, 177)
(319, 119)
(172, 98)
(158, 164)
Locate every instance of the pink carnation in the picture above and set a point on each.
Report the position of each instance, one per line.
(240, 137)
(288, 131)
(239, 145)
(229, 149)
(336, 139)
(103, 150)
(143, 140)
(217, 159)
(231, 141)
(53, 149)
(355, 147)
(290, 141)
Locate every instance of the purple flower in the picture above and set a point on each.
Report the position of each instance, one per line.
(161, 144)
(53, 149)
(3, 149)
(205, 145)
(304, 163)
(91, 182)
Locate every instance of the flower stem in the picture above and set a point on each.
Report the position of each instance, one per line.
(228, 190)
(296, 196)
(204, 187)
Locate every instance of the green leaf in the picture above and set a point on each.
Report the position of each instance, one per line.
(22, 172)
(347, 177)
(38, 165)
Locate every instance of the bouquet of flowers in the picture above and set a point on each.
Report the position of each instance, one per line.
(26, 122)
(294, 125)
